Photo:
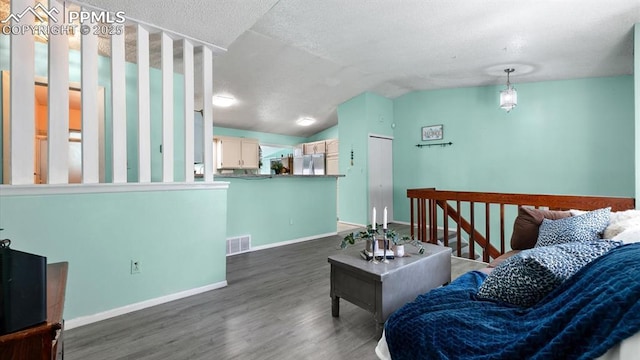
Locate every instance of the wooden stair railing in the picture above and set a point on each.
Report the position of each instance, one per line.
(425, 203)
(476, 237)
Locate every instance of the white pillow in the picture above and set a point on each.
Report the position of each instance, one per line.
(620, 226)
(618, 216)
(630, 235)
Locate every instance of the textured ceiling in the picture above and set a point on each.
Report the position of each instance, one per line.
(293, 58)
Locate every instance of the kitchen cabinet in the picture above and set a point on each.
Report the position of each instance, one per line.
(332, 164)
(316, 147)
(332, 157)
(332, 147)
(236, 153)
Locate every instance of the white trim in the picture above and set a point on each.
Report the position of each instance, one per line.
(58, 106)
(22, 114)
(91, 133)
(118, 110)
(89, 319)
(62, 189)
(289, 242)
(388, 137)
(401, 222)
(352, 224)
(189, 115)
(144, 107)
(207, 112)
(166, 64)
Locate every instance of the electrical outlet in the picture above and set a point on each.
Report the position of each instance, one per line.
(135, 267)
(290, 221)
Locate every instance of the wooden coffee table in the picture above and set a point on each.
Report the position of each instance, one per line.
(384, 287)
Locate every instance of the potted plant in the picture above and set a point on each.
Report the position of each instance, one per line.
(352, 238)
(400, 241)
(370, 234)
(277, 167)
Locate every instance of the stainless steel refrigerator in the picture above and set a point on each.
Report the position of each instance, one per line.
(309, 165)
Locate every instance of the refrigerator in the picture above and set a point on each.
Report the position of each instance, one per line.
(309, 164)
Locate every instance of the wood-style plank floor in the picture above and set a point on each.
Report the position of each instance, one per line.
(276, 306)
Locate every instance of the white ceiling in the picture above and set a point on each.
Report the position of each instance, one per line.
(293, 58)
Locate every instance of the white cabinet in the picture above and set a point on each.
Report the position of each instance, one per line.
(332, 147)
(332, 164)
(316, 147)
(236, 153)
(332, 157)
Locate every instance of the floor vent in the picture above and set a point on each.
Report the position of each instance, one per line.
(238, 244)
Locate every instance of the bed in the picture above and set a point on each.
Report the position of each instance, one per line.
(587, 307)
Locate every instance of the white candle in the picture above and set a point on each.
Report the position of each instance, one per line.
(384, 219)
(373, 219)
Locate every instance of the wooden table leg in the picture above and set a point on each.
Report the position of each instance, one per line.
(335, 306)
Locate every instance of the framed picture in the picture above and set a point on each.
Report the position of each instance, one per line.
(432, 132)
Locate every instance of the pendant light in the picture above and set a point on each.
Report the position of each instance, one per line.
(508, 96)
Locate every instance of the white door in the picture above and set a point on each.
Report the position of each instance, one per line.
(381, 176)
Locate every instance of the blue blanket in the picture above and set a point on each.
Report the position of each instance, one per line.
(581, 319)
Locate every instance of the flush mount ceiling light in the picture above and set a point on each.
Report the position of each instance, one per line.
(305, 121)
(223, 100)
(508, 96)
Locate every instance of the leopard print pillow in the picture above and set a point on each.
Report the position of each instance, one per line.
(586, 227)
(527, 277)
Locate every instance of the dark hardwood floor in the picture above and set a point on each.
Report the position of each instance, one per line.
(276, 306)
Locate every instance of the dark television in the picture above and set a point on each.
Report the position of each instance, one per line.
(23, 289)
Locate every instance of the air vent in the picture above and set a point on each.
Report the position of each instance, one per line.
(238, 244)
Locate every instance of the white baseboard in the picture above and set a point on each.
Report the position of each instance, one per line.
(352, 224)
(401, 222)
(89, 319)
(288, 242)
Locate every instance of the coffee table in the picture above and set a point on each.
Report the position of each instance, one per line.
(384, 287)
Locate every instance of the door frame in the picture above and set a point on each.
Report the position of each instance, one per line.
(389, 204)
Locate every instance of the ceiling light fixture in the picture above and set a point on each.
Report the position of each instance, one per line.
(508, 96)
(223, 100)
(305, 121)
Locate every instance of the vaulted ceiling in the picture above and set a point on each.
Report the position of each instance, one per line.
(291, 58)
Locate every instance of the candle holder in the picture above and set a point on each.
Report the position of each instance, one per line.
(385, 245)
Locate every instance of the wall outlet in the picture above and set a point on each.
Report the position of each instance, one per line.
(135, 267)
(290, 221)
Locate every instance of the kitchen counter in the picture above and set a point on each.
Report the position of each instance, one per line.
(279, 209)
(269, 176)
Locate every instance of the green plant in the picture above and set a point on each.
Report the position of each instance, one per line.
(370, 233)
(404, 240)
(356, 236)
(277, 166)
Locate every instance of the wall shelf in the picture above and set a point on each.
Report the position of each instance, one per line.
(438, 144)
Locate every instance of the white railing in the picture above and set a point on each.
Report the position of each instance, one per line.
(20, 136)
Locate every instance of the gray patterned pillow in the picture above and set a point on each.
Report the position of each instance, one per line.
(585, 227)
(525, 278)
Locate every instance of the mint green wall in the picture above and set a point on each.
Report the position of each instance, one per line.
(359, 117)
(352, 189)
(564, 137)
(636, 78)
(104, 80)
(178, 237)
(282, 208)
(330, 133)
(265, 208)
(263, 138)
(4, 64)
